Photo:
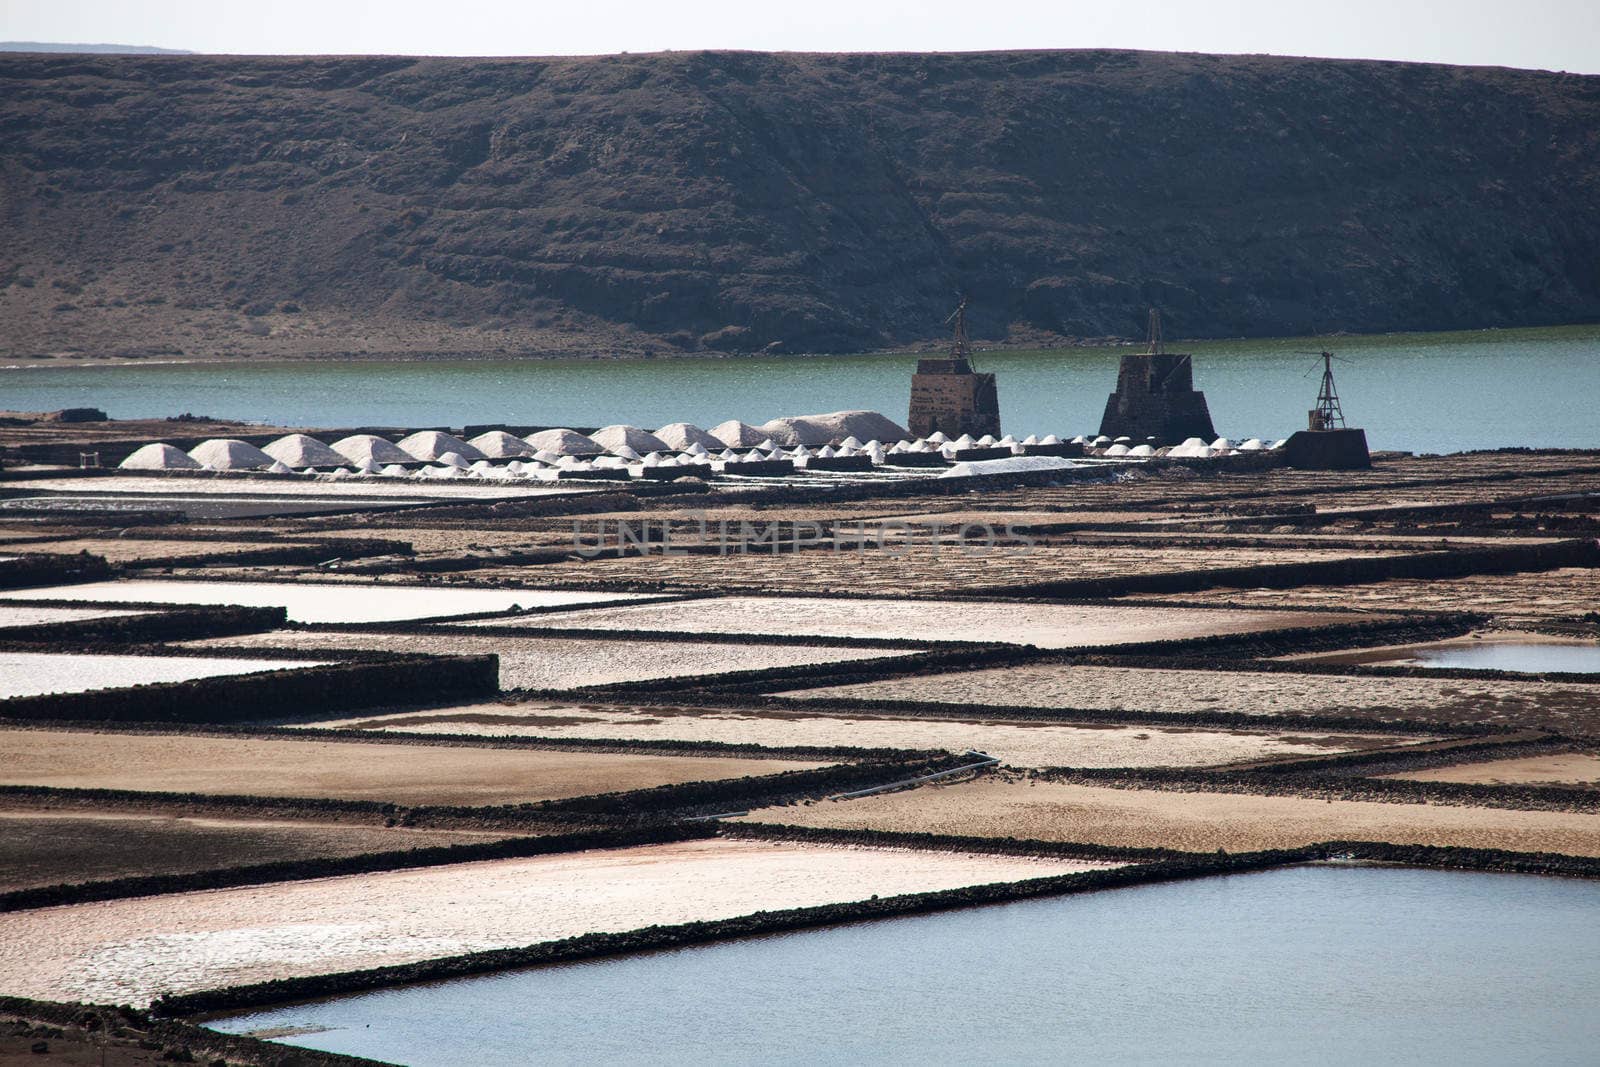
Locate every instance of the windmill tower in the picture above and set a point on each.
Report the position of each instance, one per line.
(949, 395)
(1327, 443)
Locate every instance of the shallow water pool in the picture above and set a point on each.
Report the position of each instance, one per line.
(1531, 657)
(1316, 964)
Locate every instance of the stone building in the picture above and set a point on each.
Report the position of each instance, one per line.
(948, 395)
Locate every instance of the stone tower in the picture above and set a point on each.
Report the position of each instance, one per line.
(948, 395)
(1156, 397)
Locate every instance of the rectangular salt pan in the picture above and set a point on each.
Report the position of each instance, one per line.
(16, 617)
(321, 602)
(26, 674)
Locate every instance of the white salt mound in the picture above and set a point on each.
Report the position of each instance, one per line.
(280, 467)
(814, 431)
(497, 444)
(685, 435)
(736, 434)
(433, 444)
(370, 448)
(298, 450)
(229, 454)
(160, 457)
(562, 442)
(614, 437)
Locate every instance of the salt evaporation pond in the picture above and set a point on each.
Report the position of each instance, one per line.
(323, 602)
(26, 674)
(1529, 657)
(1324, 964)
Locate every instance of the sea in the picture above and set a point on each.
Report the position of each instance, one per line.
(1414, 392)
(1327, 964)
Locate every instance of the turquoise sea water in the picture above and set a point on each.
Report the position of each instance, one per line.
(1416, 392)
(1325, 964)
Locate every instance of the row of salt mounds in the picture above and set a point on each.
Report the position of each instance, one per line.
(298, 450)
(431, 444)
(736, 434)
(371, 450)
(229, 454)
(497, 444)
(683, 436)
(563, 442)
(618, 436)
(813, 431)
(159, 457)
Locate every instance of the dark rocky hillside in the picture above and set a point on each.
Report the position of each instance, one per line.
(735, 201)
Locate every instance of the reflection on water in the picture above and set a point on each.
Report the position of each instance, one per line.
(1530, 657)
(1314, 964)
(1420, 392)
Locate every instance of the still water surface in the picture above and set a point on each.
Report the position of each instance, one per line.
(1441, 392)
(1531, 657)
(1322, 964)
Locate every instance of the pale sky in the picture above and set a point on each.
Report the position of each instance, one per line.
(1548, 34)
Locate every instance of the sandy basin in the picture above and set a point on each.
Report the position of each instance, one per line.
(17, 615)
(1194, 821)
(1565, 768)
(535, 662)
(49, 847)
(24, 674)
(1018, 742)
(128, 951)
(1051, 685)
(1044, 625)
(313, 602)
(348, 770)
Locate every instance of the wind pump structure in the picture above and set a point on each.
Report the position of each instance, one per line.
(1327, 415)
(1327, 443)
(949, 395)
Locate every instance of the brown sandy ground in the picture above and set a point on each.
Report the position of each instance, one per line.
(1566, 768)
(1407, 654)
(347, 770)
(1534, 596)
(41, 847)
(995, 806)
(129, 550)
(127, 951)
(1512, 704)
(919, 569)
(1044, 625)
(1024, 743)
(72, 1046)
(566, 663)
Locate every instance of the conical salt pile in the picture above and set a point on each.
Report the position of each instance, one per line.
(298, 450)
(497, 444)
(370, 448)
(160, 457)
(685, 435)
(736, 434)
(230, 454)
(564, 442)
(280, 467)
(432, 444)
(614, 437)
